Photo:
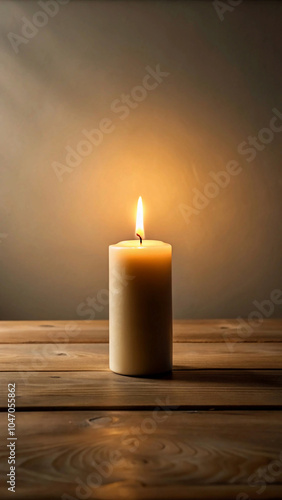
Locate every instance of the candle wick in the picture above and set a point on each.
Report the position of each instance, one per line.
(139, 238)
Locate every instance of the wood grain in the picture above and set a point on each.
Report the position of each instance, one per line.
(146, 455)
(95, 357)
(214, 455)
(97, 331)
(181, 389)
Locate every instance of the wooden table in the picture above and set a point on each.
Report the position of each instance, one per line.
(210, 430)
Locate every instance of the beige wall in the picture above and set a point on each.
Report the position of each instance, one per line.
(224, 81)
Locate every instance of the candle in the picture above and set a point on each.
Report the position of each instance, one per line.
(140, 305)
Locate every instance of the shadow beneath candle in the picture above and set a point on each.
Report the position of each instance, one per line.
(163, 375)
(255, 378)
(217, 377)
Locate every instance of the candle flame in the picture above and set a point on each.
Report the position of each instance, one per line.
(139, 219)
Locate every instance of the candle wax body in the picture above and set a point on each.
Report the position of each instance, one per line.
(140, 307)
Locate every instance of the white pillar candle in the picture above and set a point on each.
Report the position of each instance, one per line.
(140, 305)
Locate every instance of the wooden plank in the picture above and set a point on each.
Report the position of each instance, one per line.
(146, 455)
(97, 331)
(54, 331)
(231, 330)
(133, 489)
(95, 357)
(180, 389)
